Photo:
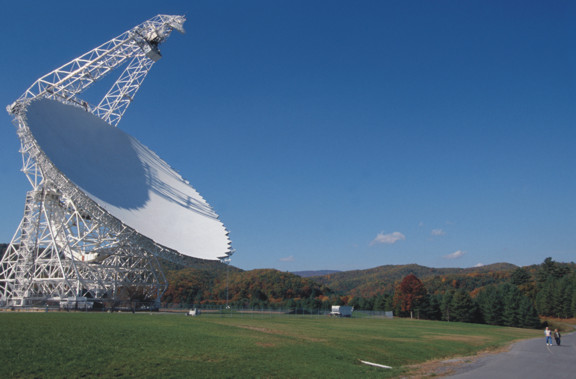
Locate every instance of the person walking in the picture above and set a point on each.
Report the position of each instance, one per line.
(557, 336)
(548, 334)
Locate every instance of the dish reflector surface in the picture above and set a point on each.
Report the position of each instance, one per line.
(127, 179)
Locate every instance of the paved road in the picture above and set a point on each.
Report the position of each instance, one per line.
(526, 359)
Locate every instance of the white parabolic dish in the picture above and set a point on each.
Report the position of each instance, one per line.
(127, 179)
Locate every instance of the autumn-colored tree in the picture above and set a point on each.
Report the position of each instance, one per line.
(410, 295)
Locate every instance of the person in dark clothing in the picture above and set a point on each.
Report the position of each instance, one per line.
(557, 336)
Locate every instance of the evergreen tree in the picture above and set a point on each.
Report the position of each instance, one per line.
(463, 307)
(520, 276)
(367, 303)
(491, 304)
(512, 305)
(562, 297)
(528, 315)
(380, 303)
(446, 305)
(545, 298)
(551, 270)
(573, 306)
(290, 304)
(435, 310)
(507, 305)
(354, 302)
(389, 303)
(556, 289)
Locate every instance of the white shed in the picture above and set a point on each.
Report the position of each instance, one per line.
(342, 311)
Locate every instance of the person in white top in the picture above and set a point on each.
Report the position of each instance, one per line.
(548, 334)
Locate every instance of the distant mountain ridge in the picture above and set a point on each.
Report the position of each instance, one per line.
(311, 273)
(381, 279)
(195, 280)
(202, 280)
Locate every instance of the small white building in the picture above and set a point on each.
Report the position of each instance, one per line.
(193, 312)
(342, 311)
(78, 302)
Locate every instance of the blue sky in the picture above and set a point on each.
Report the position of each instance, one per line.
(337, 134)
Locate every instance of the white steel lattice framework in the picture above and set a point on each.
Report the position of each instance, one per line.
(66, 246)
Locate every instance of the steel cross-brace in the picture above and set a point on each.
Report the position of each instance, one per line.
(139, 45)
(66, 247)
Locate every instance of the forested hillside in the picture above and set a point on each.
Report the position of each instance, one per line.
(255, 288)
(381, 280)
(310, 273)
(499, 294)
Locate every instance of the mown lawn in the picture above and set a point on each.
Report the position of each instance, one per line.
(211, 346)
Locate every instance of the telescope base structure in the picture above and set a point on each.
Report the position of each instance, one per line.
(103, 208)
(60, 253)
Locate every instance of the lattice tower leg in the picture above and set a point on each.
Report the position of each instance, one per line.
(60, 252)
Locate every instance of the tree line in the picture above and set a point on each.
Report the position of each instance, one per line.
(502, 304)
(496, 296)
(509, 298)
(519, 300)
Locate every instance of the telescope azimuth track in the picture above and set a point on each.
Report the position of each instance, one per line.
(103, 207)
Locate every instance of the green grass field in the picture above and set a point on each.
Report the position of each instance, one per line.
(211, 346)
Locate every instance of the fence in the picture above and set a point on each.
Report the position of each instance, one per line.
(184, 308)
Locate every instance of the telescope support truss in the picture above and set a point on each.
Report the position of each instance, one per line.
(67, 248)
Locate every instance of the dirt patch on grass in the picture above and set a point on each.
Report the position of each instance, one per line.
(265, 344)
(571, 321)
(458, 338)
(259, 329)
(280, 333)
(565, 325)
(445, 367)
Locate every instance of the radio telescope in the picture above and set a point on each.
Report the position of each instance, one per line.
(103, 207)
